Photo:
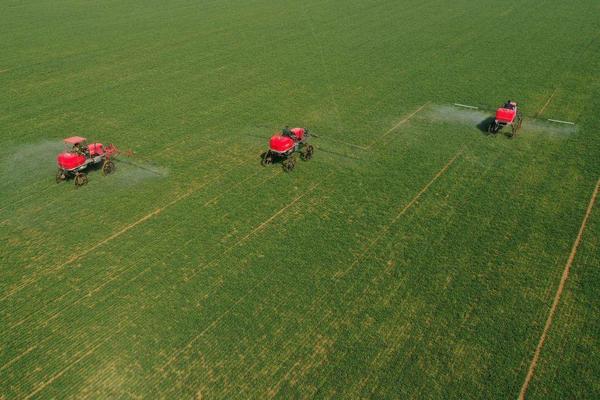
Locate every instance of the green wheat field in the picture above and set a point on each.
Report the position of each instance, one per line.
(414, 257)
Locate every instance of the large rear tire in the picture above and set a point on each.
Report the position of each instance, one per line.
(80, 179)
(60, 176)
(307, 153)
(267, 159)
(108, 167)
(288, 164)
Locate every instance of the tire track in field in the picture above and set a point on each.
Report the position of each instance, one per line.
(557, 296)
(258, 228)
(546, 104)
(113, 277)
(386, 228)
(86, 354)
(576, 58)
(188, 346)
(376, 140)
(131, 280)
(323, 64)
(185, 195)
(17, 358)
(183, 377)
(315, 359)
(398, 125)
(322, 321)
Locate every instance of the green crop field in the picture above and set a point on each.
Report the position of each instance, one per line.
(415, 256)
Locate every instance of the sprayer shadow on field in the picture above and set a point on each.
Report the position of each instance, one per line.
(484, 124)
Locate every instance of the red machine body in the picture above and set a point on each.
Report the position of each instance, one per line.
(281, 144)
(96, 149)
(299, 132)
(506, 115)
(282, 147)
(78, 155)
(70, 161)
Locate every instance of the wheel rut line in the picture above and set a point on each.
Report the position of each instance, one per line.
(557, 296)
(256, 229)
(547, 103)
(398, 125)
(183, 196)
(276, 214)
(102, 242)
(227, 250)
(274, 389)
(176, 355)
(91, 293)
(376, 140)
(115, 276)
(407, 207)
(17, 358)
(56, 376)
(324, 68)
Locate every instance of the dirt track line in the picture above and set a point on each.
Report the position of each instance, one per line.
(4, 70)
(259, 227)
(98, 288)
(557, 296)
(272, 217)
(227, 250)
(183, 196)
(54, 377)
(547, 102)
(119, 273)
(402, 122)
(346, 143)
(401, 213)
(17, 358)
(239, 183)
(174, 357)
(274, 390)
(102, 242)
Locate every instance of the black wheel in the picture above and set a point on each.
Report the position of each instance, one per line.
(288, 164)
(307, 153)
(60, 176)
(108, 167)
(80, 179)
(267, 159)
(493, 127)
